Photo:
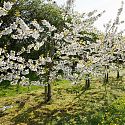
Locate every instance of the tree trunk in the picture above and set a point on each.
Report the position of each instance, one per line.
(118, 74)
(46, 91)
(49, 92)
(107, 77)
(87, 85)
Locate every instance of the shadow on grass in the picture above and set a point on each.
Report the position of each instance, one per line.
(89, 109)
(5, 84)
(41, 115)
(78, 113)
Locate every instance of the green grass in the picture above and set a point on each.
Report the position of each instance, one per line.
(115, 114)
(69, 105)
(7, 90)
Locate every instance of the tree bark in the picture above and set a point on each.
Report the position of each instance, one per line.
(46, 91)
(87, 84)
(118, 74)
(107, 77)
(49, 92)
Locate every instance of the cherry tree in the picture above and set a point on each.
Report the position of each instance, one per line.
(61, 53)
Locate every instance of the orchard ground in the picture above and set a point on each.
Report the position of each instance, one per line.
(70, 105)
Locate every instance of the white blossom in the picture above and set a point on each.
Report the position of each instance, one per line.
(7, 5)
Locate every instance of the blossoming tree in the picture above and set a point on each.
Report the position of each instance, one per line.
(62, 53)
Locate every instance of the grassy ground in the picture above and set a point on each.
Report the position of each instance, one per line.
(100, 105)
(7, 90)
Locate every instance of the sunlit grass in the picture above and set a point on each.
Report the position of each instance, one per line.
(69, 104)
